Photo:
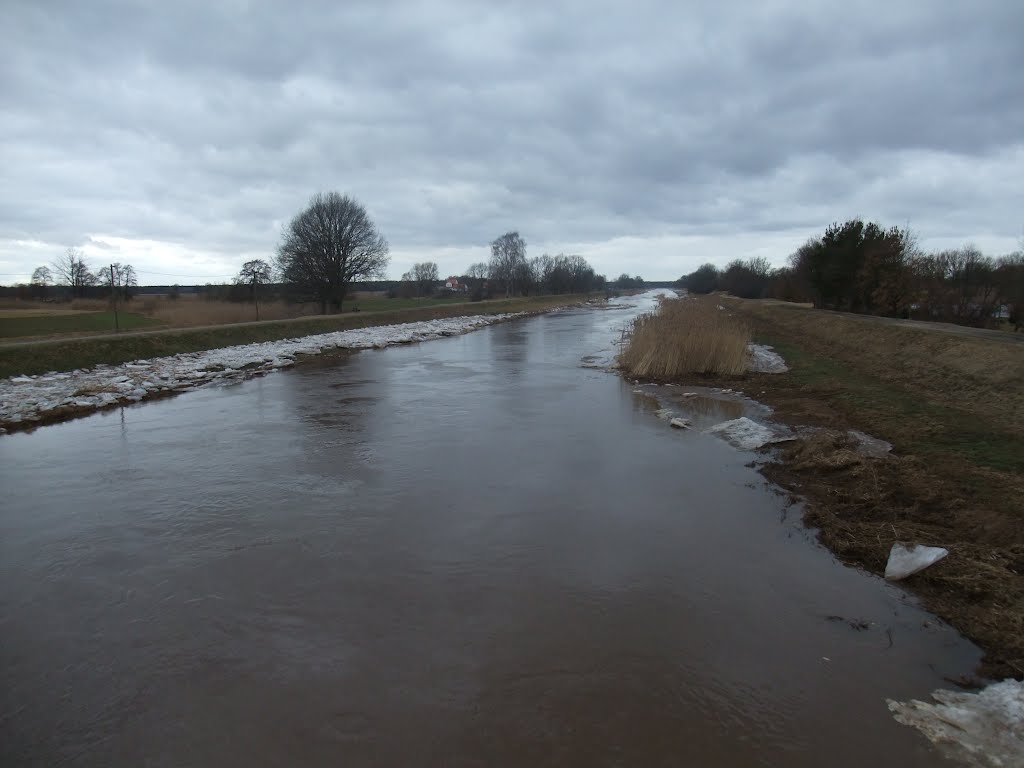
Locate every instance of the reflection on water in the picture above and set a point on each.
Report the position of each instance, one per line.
(711, 409)
(467, 552)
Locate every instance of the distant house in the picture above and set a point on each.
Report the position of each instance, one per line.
(453, 284)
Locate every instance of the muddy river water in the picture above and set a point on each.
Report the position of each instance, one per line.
(475, 551)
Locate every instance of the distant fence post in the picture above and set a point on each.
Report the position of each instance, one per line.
(113, 298)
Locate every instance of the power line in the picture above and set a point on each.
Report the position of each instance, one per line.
(190, 276)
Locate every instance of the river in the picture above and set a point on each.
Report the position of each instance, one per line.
(475, 551)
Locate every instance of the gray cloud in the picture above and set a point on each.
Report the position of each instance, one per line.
(634, 133)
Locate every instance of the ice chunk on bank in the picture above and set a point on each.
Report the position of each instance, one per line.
(906, 561)
(679, 423)
(983, 729)
(746, 433)
(870, 446)
(764, 359)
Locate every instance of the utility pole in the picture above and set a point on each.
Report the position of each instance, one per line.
(113, 298)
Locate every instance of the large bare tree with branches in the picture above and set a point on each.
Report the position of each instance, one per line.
(255, 273)
(120, 278)
(424, 276)
(72, 271)
(508, 261)
(329, 245)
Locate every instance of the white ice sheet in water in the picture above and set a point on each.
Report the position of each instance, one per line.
(984, 729)
(746, 434)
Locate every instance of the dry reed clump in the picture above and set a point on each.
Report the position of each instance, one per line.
(686, 336)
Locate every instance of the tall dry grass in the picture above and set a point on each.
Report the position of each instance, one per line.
(685, 336)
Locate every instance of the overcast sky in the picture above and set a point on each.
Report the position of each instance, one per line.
(647, 136)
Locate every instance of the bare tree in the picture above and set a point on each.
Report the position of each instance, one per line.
(42, 277)
(478, 271)
(425, 276)
(508, 260)
(72, 271)
(330, 244)
(254, 274)
(120, 278)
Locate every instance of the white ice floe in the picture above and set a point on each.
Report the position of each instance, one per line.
(746, 434)
(984, 729)
(906, 561)
(870, 446)
(680, 423)
(764, 359)
(29, 398)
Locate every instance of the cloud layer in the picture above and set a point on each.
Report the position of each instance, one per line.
(647, 136)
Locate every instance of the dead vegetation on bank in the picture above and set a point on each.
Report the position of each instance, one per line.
(685, 336)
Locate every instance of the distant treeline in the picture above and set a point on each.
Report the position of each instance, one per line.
(861, 267)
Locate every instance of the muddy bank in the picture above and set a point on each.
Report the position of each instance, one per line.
(953, 478)
(861, 505)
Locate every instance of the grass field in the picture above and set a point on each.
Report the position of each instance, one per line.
(952, 406)
(92, 315)
(36, 323)
(84, 352)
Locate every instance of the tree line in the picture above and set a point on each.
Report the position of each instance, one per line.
(71, 272)
(332, 244)
(862, 267)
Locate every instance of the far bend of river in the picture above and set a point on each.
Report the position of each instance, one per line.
(468, 552)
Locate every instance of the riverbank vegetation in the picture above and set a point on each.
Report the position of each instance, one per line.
(684, 336)
(951, 402)
(865, 268)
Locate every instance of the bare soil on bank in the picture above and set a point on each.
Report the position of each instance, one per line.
(952, 406)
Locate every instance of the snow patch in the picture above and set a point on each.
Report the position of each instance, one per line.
(984, 729)
(906, 561)
(746, 434)
(764, 359)
(869, 446)
(29, 398)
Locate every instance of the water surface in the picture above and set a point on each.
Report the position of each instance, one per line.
(475, 551)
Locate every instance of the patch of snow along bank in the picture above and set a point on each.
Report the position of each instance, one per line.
(764, 359)
(905, 561)
(746, 434)
(982, 729)
(30, 398)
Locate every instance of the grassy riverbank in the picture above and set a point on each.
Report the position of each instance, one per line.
(86, 352)
(952, 405)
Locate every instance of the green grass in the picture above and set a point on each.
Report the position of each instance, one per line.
(71, 322)
(66, 355)
(914, 424)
